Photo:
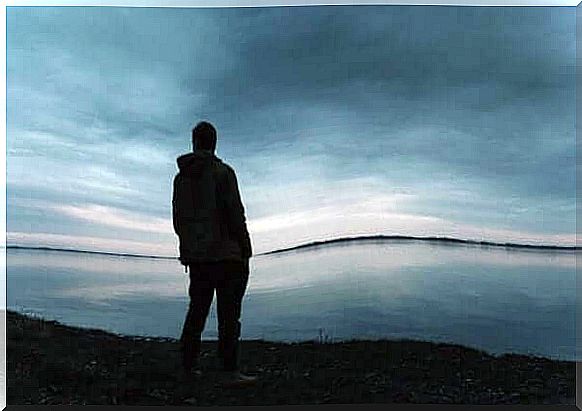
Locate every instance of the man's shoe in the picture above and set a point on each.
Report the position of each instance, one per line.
(236, 379)
(195, 370)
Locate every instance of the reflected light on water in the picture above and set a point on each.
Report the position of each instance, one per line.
(494, 298)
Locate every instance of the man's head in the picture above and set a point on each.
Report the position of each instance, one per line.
(204, 136)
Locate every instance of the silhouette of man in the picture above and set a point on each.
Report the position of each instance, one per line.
(214, 243)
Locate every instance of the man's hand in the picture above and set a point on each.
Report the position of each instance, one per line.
(184, 263)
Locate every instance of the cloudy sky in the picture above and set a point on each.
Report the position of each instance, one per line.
(348, 120)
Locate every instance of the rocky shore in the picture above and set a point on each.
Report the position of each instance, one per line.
(49, 363)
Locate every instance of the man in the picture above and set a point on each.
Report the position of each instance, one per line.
(214, 243)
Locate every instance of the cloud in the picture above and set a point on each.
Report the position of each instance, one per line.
(98, 214)
(357, 119)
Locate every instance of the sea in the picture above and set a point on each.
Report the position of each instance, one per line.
(492, 298)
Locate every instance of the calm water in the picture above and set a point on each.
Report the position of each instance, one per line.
(491, 298)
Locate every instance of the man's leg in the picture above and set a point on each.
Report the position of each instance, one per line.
(230, 292)
(201, 292)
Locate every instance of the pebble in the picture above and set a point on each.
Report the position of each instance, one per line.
(535, 381)
(191, 401)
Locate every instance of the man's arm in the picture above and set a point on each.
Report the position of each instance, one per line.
(236, 214)
(175, 205)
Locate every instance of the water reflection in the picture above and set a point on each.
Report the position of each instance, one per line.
(493, 298)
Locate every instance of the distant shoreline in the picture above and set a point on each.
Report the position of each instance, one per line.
(342, 240)
(72, 250)
(447, 240)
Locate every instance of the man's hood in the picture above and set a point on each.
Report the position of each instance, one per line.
(196, 161)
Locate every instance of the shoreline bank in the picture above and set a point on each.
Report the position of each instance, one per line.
(50, 363)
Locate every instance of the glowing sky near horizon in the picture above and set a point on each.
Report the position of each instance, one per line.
(350, 120)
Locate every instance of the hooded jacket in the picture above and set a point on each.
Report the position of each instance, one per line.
(207, 211)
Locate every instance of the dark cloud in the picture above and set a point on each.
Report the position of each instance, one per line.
(470, 99)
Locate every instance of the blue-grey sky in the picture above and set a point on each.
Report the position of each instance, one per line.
(339, 121)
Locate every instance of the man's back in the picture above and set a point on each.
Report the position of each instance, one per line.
(208, 214)
(209, 219)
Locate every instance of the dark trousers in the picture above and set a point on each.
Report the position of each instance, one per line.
(229, 279)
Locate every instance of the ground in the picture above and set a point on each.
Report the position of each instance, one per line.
(49, 363)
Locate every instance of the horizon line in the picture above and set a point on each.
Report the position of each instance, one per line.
(311, 244)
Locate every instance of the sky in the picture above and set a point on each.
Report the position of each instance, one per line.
(339, 121)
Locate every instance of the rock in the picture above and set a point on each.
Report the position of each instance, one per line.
(327, 397)
(446, 399)
(535, 382)
(191, 401)
(159, 394)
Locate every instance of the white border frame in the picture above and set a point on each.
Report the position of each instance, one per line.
(179, 3)
(272, 3)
